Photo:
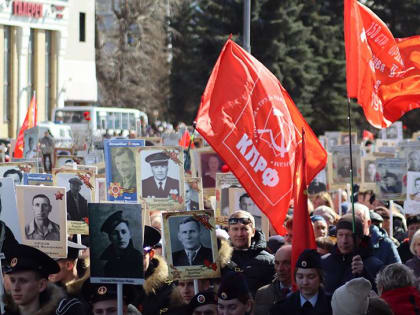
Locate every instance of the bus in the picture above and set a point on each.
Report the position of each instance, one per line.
(101, 120)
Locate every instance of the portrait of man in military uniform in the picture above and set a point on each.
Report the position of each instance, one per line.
(159, 185)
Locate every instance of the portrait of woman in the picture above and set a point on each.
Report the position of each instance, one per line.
(210, 167)
(122, 259)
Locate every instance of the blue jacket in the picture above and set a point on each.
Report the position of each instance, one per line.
(337, 267)
(383, 248)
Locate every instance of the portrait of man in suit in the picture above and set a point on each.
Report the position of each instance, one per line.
(194, 252)
(190, 204)
(77, 205)
(124, 171)
(160, 185)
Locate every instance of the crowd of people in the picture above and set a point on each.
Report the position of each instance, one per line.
(351, 272)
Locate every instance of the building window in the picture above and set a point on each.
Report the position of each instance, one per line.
(82, 27)
(47, 73)
(6, 74)
(31, 64)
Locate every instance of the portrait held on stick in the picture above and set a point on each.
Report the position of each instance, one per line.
(120, 158)
(190, 244)
(160, 174)
(80, 190)
(43, 218)
(116, 233)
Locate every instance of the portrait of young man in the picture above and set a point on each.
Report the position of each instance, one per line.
(41, 227)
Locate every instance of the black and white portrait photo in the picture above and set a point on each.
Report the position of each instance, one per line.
(413, 161)
(193, 190)
(189, 247)
(80, 191)
(190, 243)
(391, 184)
(369, 171)
(116, 234)
(339, 165)
(393, 132)
(43, 218)
(162, 177)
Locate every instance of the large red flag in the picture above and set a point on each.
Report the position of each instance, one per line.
(303, 232)
(29, 122)
(252, 123)
(380, 70)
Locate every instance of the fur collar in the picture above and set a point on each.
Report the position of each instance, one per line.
(225, 253)
(158, 275)
(50, 299)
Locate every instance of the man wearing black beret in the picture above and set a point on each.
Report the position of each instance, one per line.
(30, 293)
(203, 303)
(234, 296)
(160, 185)
(310, 299)
(102, 298)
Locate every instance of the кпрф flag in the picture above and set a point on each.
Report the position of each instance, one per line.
(252, 123)
(383, 72)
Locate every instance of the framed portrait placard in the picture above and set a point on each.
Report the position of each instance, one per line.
(339, 166)
(80, 190)
(240, 200)
(15, 170)
(120, 167)
(345, 138)
(393, 132)
(190, 245)
(410, 150)
(412, 202)
(30, 144)
(37, 179)
(208, 164)
(193, 193)
(391, 184)
(116, 246)
(160, 174)
(332, 139)
(91, 168)
(8, 207)
(42, 218)
(224, 181)
(369, 173)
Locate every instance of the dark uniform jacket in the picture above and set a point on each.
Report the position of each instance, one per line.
(127, 264)
(158, 295)
(256, 263)
(150, 189)
(291, 306)
(180, 257)
(75, 213)
(337, 267)
(53, 301)
(404, 251)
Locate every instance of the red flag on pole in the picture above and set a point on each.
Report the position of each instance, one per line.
(303, 232)
(382, 72)
(29, 122)
(252, 123)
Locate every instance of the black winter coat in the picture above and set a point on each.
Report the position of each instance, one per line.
(256, 263)
(127, 264)
(291, 305)
(337, 267)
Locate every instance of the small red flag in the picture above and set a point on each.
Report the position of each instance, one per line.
(303, 232)
(29, 122)
(252, 123)
(382, 72)
(185, 140)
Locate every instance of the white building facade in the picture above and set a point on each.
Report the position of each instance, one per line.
(47, 48)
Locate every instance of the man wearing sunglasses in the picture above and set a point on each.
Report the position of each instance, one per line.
(249, 254)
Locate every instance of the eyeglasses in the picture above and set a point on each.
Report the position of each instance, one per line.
(239, 220)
